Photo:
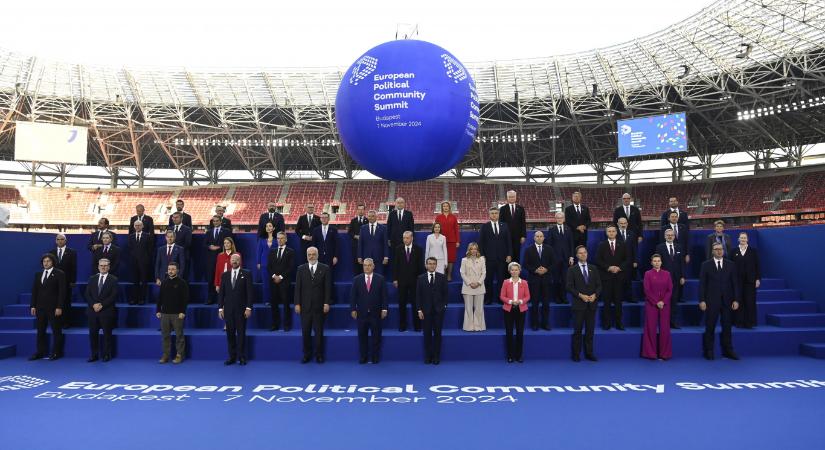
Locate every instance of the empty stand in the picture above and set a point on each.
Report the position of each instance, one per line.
(421, 198)
(372, 193)
(304, 193)
(473, 200)
(250, 202)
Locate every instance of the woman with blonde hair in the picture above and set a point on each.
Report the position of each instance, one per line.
(473, 270)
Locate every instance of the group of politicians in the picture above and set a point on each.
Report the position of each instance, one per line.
(554, 267)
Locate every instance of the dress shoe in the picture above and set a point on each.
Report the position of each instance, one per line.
(605, 328)
(520, 360)
(319, 359)
(591, 358)
(229, 362)
(305, 360)
(535, 328)
(273, 328)
(731, 355)
(546, 328)
(749, 327)
(106, 358)
(55, 356)
(242, 361)
(509, 360)
(287, 328)
(576, 358)
(428, 361)
(620, 327)
(208, 302)
(402, 329)
(436, 362)
(92, 358)
(709, 356)
(35, 357)
(178, 359)
(674, 326)
(141, 302)
(375, 360)
(418, 330)
(363, 360)
(132, 302)
(163, 360)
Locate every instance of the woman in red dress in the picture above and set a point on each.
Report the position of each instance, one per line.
(449, 228)
(222, 262)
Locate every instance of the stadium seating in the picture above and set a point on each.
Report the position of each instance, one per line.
(745, 195)
(372, 193)
(473, 200)
(250, 201)
(304, 193)
(421, 197)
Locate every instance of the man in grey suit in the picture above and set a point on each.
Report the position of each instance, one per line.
(313, 288)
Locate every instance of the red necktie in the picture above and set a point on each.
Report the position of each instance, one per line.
(369, 282)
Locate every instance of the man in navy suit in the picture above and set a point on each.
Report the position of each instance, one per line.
(220, 210)
(680, 231)
(629, 237)
(183, 238)
(48, 304)
(407, 265)
(280, 263)
(368, 303)
(354, 231)
(141, 246)
(538, 260)
(96, 237)
(431, 297)
(325, 239)
(107, 250)
(373, 242)
(399, 220)
(213, 240)
(718, 237)
(235, 306)
(560, 238)
(613, 261)
(681, 216)
(186, 219)
(631, 213)
(147, 221)
(674, 260)
(515, 217)
(166, 254)
(270, 216)
(584, 283)
(718, 296)
(578, 216)
(495, 245)
(101, 293)
(306, 223)
(66, 260)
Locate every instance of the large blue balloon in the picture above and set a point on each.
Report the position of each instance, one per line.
(407, 110)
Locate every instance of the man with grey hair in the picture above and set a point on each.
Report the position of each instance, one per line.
(140, 263)
(399, 220)
(560, 238)
(147, 221)
(373, 242)
(101, 294)
(306, 223)
(368, 306)
(577, 216)
(495, 244)
(107, 250)
(515, 217)
(313, 290)
(235, 299)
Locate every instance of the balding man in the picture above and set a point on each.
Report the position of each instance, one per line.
(313, 291)
(235, 298)
(631, 213)
(270, 216)
(560, 238)
(141, 247)
(66, 260)
(147, 221)
(515, 216)
(399, 220)
(306, 223)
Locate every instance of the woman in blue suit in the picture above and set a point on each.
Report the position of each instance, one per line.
(264, 245)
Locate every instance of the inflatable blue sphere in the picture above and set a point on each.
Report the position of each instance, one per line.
(407, 110)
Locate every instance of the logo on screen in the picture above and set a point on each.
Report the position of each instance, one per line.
(362, 69)
(454, 69)
(626, 129)
(18, 382)
(72, 136)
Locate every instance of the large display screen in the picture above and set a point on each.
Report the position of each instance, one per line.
(652, 135)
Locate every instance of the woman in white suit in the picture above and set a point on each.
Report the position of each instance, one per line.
(437, 248)
(473, 271)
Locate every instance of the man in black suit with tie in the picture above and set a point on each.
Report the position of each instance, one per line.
(407, 265)
(270, 216)
(186, 219)
(718, 237)
(313, 290)
(431, 297)
(354, 231)
(718, 294)
(578, 218)
(630, 212)
(213, 240)
(749, 277)
(495, 245)
(96, 237)
(399, 220)
(306, 223)
(140, 263)
(681, 216)
(183, 239)
(368, 303)
(680, 231)
(628, 236)
(539, 262)
(515, 217)
(560, 238)
(674, 260)
(220, 210)
(166, 254)
(147, 221)
(235, 299)
(280, 263)
(107, 250)
(325, 239)
(66, 260)
(48, 304)
(584, 284)
(101, 293)
(613, 261)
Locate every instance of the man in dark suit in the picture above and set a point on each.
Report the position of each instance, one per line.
(368, 303)
(431, 297)
(107, 250)
(718, 237)
(235, 298)
(749, 277)
(495, 245)
(186, 219)
(628, 236)
(372, 242)
(539, 262)
(213, 240)
(681, 216)
(515, 217)
(313, 290)
(674, 260)
(718, 294)
(306, 223)
(280, 263)
(166, 254)
(399, 220)
(220, 210)
(560, 238)
(147, 221)
(140, 263)
(613, 261)
(354, 231)
(407, 265)
(680, 231)
(96, 237)
(631, 213)
(584, 284)
(183, 238)
(271, 216)
(101, 293)
(66, 260)
(325, 239)
(578, 218)
(48, 304)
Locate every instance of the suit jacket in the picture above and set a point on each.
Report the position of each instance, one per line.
(210, 239)
(327, 248)
(620, 258)
(95, 238)
(576, 285)
(183, 237)
(148, 225)
(374, 247)
(277, 220)
(495, 248)
(68, 264)
(431, 299)
(711, 239)
(140, 252)
(406, 273)
(562, 244)
(684, 234)
(396, 228)
(507, 292)
(105, 296)
(354, 229)
(747, 266)
(304, 228)
(235, 300)
(186, 219)
(675, 265)
(634, 222)
(283, 266)
(162, 261)
(683, 219)
(573, 219)
(632, 242)
(312, 293)
(370, 302)
(718, 287)
(532, 261)
(113, 255)
(517, 224)
(51, 293)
